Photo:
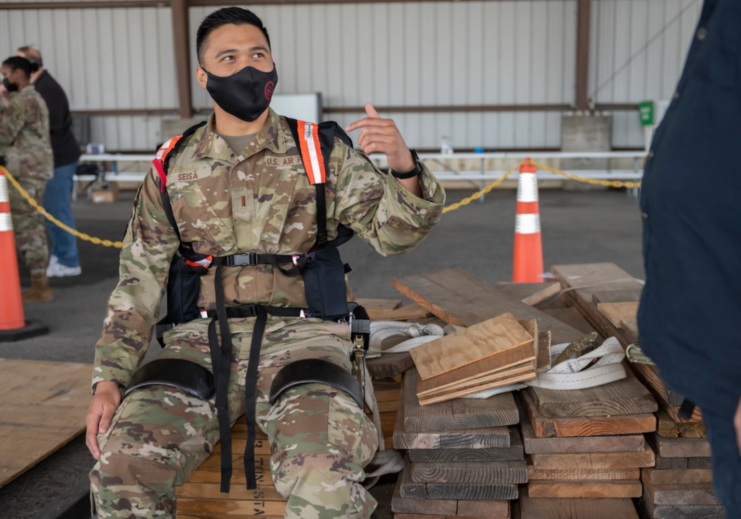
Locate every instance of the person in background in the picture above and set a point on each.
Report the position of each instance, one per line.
(65, 260)
(692, 241)
(25, 146)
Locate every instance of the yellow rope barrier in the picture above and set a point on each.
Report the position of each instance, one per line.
(594, 181)
(35, 205)
(466, 201)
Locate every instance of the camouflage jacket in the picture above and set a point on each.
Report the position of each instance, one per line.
(24, 135)
(260, 201)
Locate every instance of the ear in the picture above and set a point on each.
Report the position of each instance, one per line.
(201, 77)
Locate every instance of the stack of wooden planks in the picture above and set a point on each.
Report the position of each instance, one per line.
(680, 485)
(495, 353)
(465, 456)
(200, 498)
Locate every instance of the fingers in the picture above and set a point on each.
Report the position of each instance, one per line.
(105, 421)
(371, 111)
(380, 146)
(91, 435)
(369, 121)
(370, 134)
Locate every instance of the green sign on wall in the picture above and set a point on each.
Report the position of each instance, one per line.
(646, 112)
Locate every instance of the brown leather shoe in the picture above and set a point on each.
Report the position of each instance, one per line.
(40, 291)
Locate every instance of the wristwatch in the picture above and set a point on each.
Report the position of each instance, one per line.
(414, 172)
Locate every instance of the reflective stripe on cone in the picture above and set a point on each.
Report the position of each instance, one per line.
(11, 304)
(527, 266)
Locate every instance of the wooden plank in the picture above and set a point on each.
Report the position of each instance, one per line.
(236, 492)
(531, 327)
(225, 516)
(533, 508)
(595, 460)
(389, 365)
(402, 505)
(679, 447)
(512, 453)
(623, 397)
(529, 293)
(618, 312)
(544, 352)
(491, 338)
(663, 463)
(42, 408)
(405, 313)
(473, 472)
(378, 307)
(572, 318)
(649, 510)
(426, 516)
(546, 427)
(459, 298)
(694, 494)
(483, 508)
(583, 474)
(670, 429)
(577, 444)
(464, 413)
(581, 489)
(230, 507)
(412, 490)
(678, 477)
(482, 384)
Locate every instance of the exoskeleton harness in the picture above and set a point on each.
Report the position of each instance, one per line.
(324, 278)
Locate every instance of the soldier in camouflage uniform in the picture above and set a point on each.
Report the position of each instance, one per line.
(26, 147)
(249, 194)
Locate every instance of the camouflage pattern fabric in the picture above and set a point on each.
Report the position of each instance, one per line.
(24, 135)
(258, 201)
(26, 146)
(28, 225)
(319, 438)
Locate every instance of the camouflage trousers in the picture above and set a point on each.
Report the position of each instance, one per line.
(28, 225)
(319, 438)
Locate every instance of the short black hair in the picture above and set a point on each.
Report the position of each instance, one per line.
(17, 62)
(226, 16)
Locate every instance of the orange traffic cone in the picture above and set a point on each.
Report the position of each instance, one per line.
(13, 326)
(528, 262)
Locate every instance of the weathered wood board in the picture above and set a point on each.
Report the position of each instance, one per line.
(512, 453)
(595, 460)
(389, 365)
(568, 508)
(572, 318)
(616, 313)
(462, 413)
(546, 427)
(411, 490)
(473, 472)
(499, 336)
(377, 307)
(405, 313)
(578, 444)
(231, 508)
(678, 477)
(513, 376)
(459, 298)
(529, 293)
(648, 510)
(42, 408)
(663, 463)
(623, 397)
(694, 494)
(583, 474)
(679, 447)
(483, 438)
(670, 429)
(619, 488)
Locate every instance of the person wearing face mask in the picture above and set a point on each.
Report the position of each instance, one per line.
(239, 220)
(26, 147)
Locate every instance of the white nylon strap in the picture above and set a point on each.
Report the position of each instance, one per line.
(3, 189)
(527, 224)
(382, 330)
(527, 188)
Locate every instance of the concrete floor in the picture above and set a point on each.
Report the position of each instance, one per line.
(577, 227)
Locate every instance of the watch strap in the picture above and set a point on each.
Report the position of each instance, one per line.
(411, 173)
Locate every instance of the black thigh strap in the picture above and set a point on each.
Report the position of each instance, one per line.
(182, 374)
(310, 371)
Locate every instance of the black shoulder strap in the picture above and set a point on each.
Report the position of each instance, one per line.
(328, 130)
(164, 165)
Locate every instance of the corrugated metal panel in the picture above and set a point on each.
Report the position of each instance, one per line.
(433, 53)
(637, 52)
(105, 59)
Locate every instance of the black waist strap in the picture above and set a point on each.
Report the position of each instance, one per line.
(221, 361)
(251, 259)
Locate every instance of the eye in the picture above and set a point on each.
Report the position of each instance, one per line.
(228, 57)
(258, 55)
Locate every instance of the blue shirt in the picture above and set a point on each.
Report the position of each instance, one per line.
(690, 313)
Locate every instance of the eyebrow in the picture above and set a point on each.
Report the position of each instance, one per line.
(230, 51)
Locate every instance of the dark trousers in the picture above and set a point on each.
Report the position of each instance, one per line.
(726, 462)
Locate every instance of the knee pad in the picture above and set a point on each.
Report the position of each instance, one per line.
(311, 371)
(181, 374)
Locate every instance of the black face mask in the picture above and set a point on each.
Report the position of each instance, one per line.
(245, 94)
(10, 87)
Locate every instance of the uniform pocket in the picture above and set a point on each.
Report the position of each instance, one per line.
(350, 430)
